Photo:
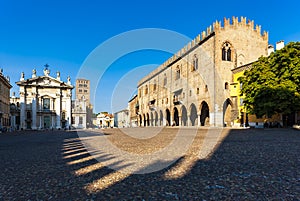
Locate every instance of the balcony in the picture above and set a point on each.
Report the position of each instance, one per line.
(176, 101)
(151, 104)
(46, 111)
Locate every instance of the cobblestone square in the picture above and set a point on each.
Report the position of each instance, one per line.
(245, 164)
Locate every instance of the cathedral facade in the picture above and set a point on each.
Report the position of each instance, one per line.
(192, 88)
(45, 101)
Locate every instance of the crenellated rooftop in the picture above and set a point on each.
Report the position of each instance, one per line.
(204, 35)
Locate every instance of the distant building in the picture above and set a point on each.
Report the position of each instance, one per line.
(15, 112)
(133, 106)
(45, 101)
(82, 92)
(122, 119)
(5, 87)
(82, 89)
(79, 113)
(105, 120)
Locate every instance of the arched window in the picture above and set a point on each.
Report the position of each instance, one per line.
(226, 52)
(229, 54)
(177, 73)
(46, 103)
(146, 90)
(195, 63)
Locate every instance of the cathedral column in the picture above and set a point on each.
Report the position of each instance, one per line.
(22, 107)
(68, 108)
(40, 122)
(33, 126)
(52, 121)
(33, 103)
(58, 110)
(199, 122)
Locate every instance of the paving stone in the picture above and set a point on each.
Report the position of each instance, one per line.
(247, 165)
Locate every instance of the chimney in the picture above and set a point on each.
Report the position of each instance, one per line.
(270, 49)
(279, 45)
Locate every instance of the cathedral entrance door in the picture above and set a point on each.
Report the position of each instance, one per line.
(28, 126)
(46, 121)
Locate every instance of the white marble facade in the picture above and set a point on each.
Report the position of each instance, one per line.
(45, 101)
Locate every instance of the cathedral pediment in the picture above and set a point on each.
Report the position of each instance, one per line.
(44, 81)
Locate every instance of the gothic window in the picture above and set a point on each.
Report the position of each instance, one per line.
(146, 90)
(177, 73)
(198, 91)
(195, 63)
(229, 54)
(226, 52)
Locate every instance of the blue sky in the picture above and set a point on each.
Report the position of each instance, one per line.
(64, 33)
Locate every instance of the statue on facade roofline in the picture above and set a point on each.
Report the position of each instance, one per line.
(46, 70)
(22, 76)
(69, 79)
(33, 73)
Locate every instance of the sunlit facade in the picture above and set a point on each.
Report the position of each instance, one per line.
(45, 101)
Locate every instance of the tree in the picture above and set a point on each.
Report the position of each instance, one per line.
(272, 85)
